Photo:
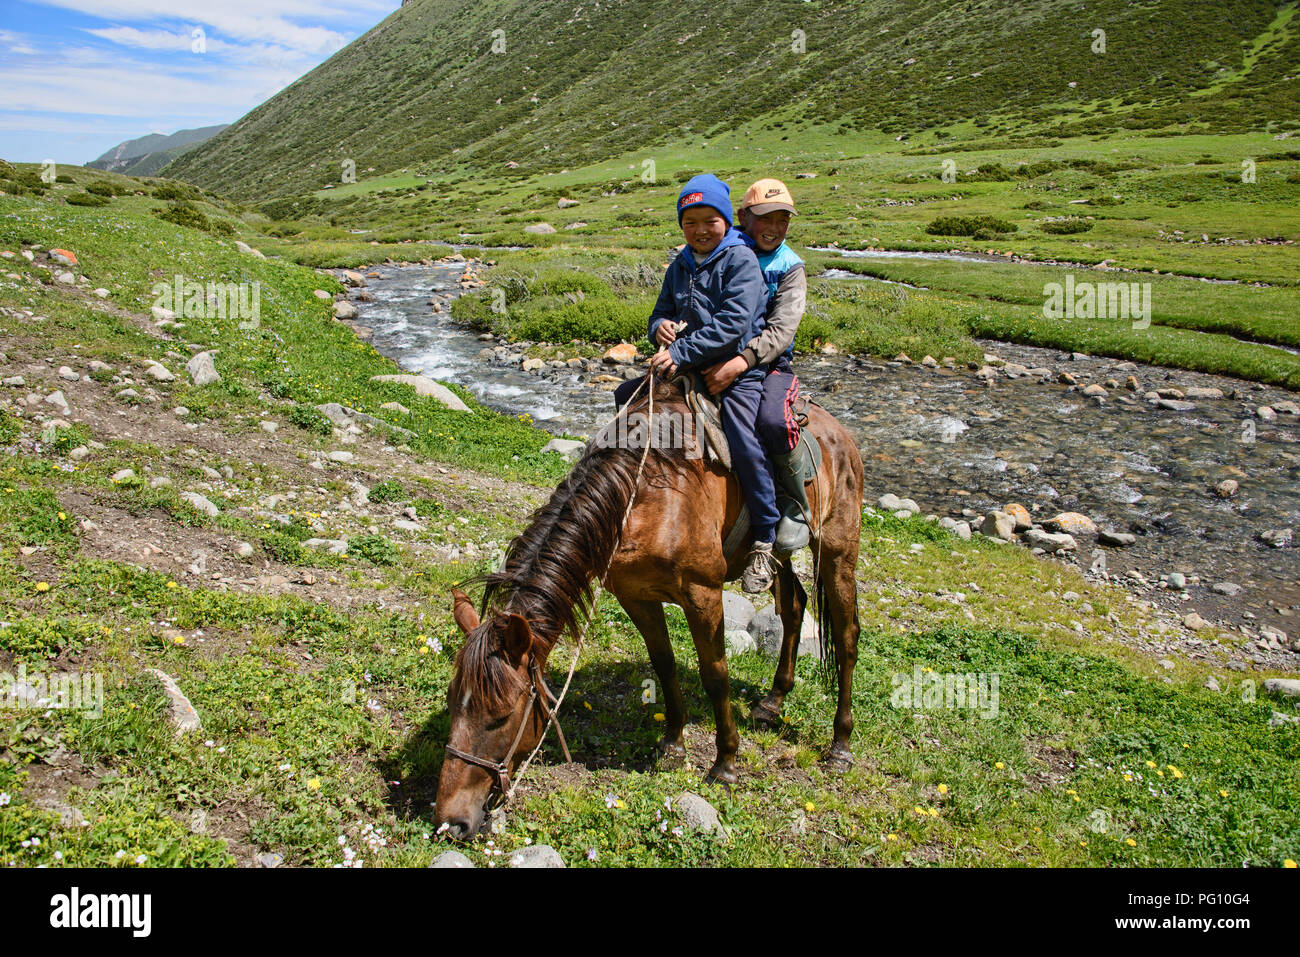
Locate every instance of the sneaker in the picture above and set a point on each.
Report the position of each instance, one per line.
(758, 573)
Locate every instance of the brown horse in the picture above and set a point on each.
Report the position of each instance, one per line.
(671, 550)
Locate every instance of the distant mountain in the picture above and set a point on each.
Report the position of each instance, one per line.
(148, 154)
(474, 85)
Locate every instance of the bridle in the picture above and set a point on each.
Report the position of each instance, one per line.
(541, 700)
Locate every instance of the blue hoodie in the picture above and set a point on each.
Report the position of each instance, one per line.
(723, 302)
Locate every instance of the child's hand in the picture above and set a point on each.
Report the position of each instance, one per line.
(662, 365)
(666, 334)
(719, 377)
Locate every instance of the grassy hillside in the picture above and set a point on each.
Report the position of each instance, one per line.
(576, 83)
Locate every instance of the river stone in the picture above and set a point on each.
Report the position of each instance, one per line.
(1177, 581)
(622, 353)
(1062, 542)
(737, 611)
(889, 502)
(1195, 622)
(1265, 413)
(960, 529)
(451, 859)
(1231, 589)
(321, 294)
(1095, 389)
(201, 503)
(1277, 537)
(345, 310)
(355, 279)
(1226, 489)
(532, 365)
(1066, 379)
(1072, 523)
(1131, 383)
(1289, 407)
(697, 813)
(1201, 392)
(426, 387)
(202, 369)
(1116, 539)
(540, 229)
(1176, 405)
(999, 525)
(571, 449)
(1019, 514)
(1014, 370)
(536, 855)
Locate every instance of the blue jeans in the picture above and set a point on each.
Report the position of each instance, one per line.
(740, 406)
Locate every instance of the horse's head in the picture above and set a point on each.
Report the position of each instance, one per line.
(495, 716)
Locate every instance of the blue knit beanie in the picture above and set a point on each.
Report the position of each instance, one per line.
(705, 190)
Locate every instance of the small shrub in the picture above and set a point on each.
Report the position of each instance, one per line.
(1064, 227)
(311, 419)
(101, 188)
(387, 491)
(86, 199)
(183, 214)
(375, 549)
(968, 226)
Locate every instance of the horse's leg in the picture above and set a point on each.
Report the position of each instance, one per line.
(648, 616)
(790, 603)
(703, 607)
(842, 607)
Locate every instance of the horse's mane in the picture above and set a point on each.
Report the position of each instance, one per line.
(550, 566)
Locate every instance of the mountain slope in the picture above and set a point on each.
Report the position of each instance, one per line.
(580, 81)
(146, 155)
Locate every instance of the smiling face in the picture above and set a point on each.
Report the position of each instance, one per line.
(768, 231)
(703, 228)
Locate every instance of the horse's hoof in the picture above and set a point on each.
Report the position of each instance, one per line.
(724, 774)
(839, 760)
(765, 716)
(671, 754)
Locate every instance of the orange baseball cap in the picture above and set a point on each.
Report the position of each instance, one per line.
(768, 195)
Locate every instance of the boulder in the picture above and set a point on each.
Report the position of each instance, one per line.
(737, 611)
(999, 525)
(540, 229)
(345, 311)
(201, 503)
(451, 859)
(425, 386)
(202, 370)
(1049, 542)
(1072, 523)
(64, 257)
(698, 814)
(1019, 514)
(536, 855)
(624, 352)
(571, 449)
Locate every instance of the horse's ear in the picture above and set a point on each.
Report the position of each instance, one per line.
(462, 609)
(518, 639)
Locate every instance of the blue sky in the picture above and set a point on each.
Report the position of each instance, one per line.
(81, 76)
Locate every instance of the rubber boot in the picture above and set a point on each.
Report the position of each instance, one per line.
(792, 533)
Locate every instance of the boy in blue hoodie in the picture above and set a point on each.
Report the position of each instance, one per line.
(716, 288)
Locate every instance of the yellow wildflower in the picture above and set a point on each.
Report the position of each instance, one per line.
(943, 789)
(1223, 793)
(314, 784)
(42, 586)
(659, 715)
(173, 585)
(999, 765)
(1289, 863)
(891, 837)
(810, 807)
(1175, 772)
(1130, 842)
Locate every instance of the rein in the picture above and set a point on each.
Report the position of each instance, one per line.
(546, 702)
